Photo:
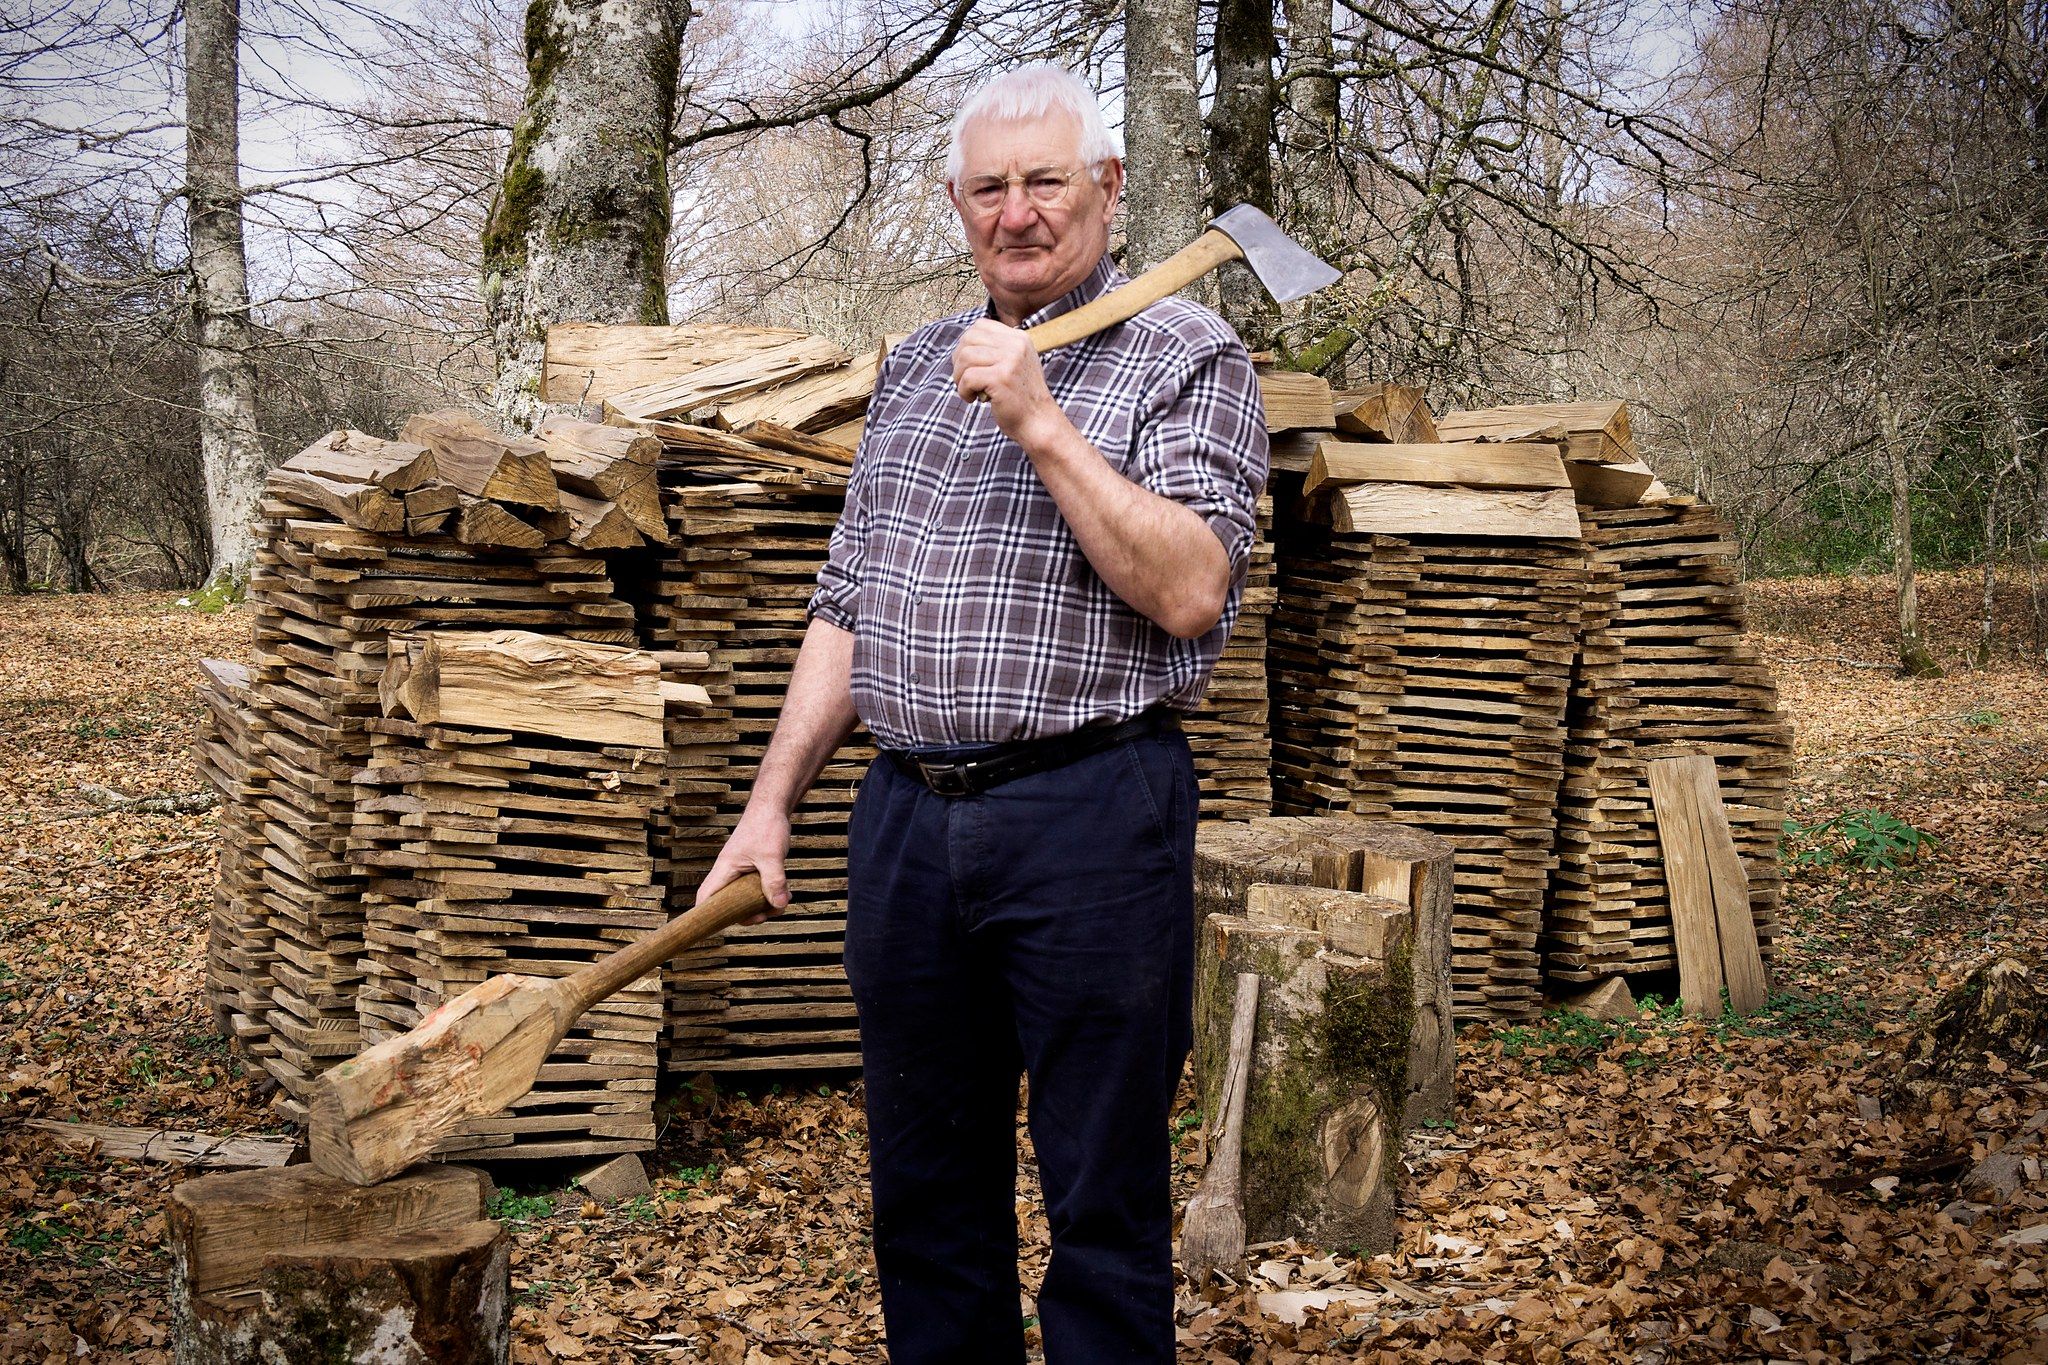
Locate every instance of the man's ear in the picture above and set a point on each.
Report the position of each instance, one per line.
(1113, 182)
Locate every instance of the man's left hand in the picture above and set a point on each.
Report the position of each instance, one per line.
(1000, 364)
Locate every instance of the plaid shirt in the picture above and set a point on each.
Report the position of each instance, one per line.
(976, 617)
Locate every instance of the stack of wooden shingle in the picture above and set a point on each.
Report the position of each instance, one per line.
(239, 954)
(341, 566)
(502, 825)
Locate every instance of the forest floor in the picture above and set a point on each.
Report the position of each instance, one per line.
(1658, 1190)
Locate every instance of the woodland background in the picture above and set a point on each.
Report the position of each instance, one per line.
(1803, 238)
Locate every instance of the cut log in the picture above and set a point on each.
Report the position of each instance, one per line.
(814, 403)
(1346, 855)
(1212, 1233)
(1407, 510)
(1294, 399)
(206, 1151)
(1611, 485)
(588, 362)
(525, 683)
(222, 1228)
(1991, 1028)
(610, 463)
(1598, 432)
(1610, 1002)
(364, 506)
(291, 1265)
(1476, 464)
(483, 522)
(724, 380)
(1322, 1125)
(598, 524)
(352, 457)
(476, 458)
(1396, 413)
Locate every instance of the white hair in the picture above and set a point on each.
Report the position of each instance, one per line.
(1032, 92)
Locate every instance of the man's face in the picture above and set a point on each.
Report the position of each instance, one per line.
(1030, 253)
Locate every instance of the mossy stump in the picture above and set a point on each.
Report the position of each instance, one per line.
(285, 1265)
(1356, 854)
(1322, 1122)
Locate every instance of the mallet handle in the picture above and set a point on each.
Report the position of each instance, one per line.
(1175, 273)
(725, 907)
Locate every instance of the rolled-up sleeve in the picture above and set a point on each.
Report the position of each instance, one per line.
(1203, 442)
(837, 596)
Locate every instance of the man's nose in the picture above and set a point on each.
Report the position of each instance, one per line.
(1018, 213)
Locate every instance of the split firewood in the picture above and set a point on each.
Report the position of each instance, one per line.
(1293, 399)
(480, 461)
(1396, 413)
(518, 681)
(352, 457)
(1474, 464)
(364, 506)
(614, 464)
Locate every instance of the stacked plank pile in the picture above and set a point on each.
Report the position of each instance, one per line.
(1447, 585)
(1665, 671)
(502, 824)
(238, 955)
(343, 563)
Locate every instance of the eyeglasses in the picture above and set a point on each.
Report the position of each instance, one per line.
(1045, 187)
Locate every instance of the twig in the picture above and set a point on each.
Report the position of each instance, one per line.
(1844, 662)
(178, 847)
(107, 801)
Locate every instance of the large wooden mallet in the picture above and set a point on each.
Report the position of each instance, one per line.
(387, 1108)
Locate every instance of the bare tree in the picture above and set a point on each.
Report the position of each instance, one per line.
(1163, 145)
(230, 451)
(579, 229)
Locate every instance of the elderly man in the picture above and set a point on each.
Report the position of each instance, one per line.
(1035, 572)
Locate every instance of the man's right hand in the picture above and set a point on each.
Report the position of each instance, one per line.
(759, 843)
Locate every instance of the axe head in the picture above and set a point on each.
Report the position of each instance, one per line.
(1284, 267)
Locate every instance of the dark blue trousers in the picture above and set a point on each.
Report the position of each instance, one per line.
(1044, 927)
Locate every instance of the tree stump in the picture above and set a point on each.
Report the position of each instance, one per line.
(1322, 1123)
(1999, 1011)
(278, 1266)
(1346, 853)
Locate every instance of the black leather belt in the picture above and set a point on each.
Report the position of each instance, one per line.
(1000, 763)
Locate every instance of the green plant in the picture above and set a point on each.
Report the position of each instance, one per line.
(510, 1206)
(1872, 840)
(37, 1237)
(638, 1209)
(1983, 718)
(1566, 1040)
(1184, 1123)
(696, 1175)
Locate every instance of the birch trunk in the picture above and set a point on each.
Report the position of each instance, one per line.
(230, 450)
(1241, 149)
(578, 231)
(1162, 136)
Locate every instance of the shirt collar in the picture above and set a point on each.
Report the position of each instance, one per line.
(1103, 278)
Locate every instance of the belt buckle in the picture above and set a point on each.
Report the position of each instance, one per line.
(946, 779)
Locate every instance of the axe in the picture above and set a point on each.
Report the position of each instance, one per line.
(1284, 269)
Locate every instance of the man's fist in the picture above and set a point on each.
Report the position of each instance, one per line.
(998, 363)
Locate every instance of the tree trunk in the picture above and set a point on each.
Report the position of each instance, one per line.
(230, 450)
(1997, 1016)
(1313, 180)
(1914, 660)
(1240, 149)
(578, 231)
(1162, 136)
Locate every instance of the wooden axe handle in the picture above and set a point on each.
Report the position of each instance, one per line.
(1175, 273)
(725, 907)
